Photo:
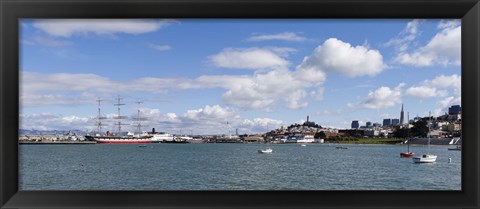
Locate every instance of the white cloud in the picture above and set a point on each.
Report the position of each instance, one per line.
(343, 58)
(160, 47)
(285, 36)
(443, 81)
(215, 112)
(384, 97)
(250, 58)
(48, 121)
(211, 119)
(443, 49)
(263, 123)
(403, 40)
(69, 27)
(259, 91)
(442, 105)
(424, 92)
(70, 89)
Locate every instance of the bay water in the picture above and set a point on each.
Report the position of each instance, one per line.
(235, 167)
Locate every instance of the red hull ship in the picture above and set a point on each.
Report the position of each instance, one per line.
(119, 138)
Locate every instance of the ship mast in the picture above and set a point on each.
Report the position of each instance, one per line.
(139, 119)
(119, 117)
(99, 118)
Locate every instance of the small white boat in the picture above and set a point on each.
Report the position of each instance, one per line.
(425, 159)
(458, 148)
(303, 145)
(268, 150)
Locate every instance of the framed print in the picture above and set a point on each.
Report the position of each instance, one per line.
(285, 104)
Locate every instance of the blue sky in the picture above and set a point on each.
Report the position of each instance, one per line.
(194, 76)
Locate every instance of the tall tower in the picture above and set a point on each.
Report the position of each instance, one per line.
(401, 116)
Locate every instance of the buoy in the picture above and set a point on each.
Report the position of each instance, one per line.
(449, 160)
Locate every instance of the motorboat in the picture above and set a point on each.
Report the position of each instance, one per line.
(425, 159)
(458, 148)
(265, 151)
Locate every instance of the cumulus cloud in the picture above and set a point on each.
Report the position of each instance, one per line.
(66, 88)
(342, 58)
(211, 119)
(443, 49)
(424, 92)
(258, 91)
(215, 112)
(48, 121)
(443, 81)
(69, 27)
(285, 36)
(384, 97)
(442, 105)
(250, 58)
(262, 90)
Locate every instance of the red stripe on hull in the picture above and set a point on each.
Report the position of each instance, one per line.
(124, 142)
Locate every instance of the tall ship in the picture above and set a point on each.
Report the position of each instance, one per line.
(119, 138)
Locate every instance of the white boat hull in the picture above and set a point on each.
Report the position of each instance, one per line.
(425, 159)
(266, 151)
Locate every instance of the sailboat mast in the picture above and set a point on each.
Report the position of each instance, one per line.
(139, 125)
(99, 117)
(119, 116)
(428, 134)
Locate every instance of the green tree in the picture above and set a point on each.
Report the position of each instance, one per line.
(402, 133)
(320, 135)
(420, 128)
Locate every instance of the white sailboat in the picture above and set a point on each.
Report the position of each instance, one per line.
(426, 158)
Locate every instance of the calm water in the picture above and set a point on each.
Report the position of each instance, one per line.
(234, 167)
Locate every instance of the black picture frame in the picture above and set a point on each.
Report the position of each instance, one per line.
(13, 10)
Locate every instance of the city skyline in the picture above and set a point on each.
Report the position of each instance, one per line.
(198, 75)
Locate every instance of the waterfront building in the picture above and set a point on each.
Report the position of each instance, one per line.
(377, 125)
(401, 116)
(387, 122)
(371, 132)
(355, 124)
(453, 127)
(368, 124)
